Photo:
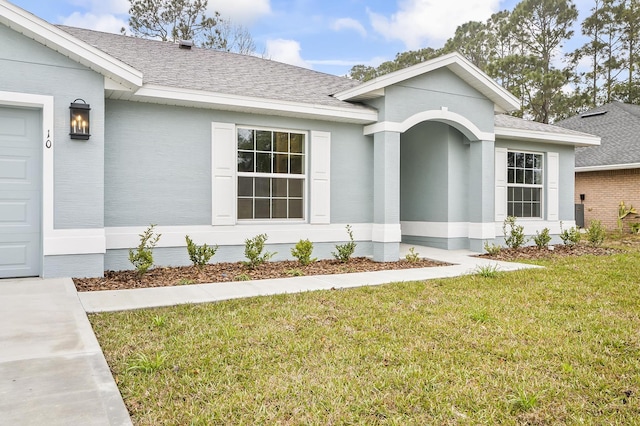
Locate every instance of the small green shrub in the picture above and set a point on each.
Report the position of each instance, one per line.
(295, 273)
(199, 255)
(542, 239)
(596, 233)
(571, 236)
(253, 251)
(345, 251)
(242, 277)
(491, 248)
(302, 251)
(142, 257)
(412, 256)
(635, 227)
(513, 237)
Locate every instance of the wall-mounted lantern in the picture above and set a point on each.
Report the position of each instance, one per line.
(79, 122)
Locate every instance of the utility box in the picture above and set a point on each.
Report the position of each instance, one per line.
(579, 214)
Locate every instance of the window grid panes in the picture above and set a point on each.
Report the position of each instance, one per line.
(524, 184)
(271, 174)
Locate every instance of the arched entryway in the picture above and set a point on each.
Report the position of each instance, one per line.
(443, 186)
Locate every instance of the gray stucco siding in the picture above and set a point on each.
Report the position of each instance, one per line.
(29, 67)
(76, 266)
(158, 164)
(459, 164)
(439, 88)
(566, 171)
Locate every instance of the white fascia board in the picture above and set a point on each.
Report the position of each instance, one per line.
(607, 167)
(64, 43)
(169, 95)
(464, 69)
(557, 138)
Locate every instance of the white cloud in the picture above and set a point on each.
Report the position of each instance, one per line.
(287, 51)
(243, 12)
(419, 23)
(349, 24)
(106, 23)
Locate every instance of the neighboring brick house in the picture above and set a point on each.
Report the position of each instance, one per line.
(609, 173)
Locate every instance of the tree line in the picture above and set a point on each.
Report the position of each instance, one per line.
(522, 50)
(174, 20)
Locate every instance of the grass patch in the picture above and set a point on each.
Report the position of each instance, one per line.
(553, 346)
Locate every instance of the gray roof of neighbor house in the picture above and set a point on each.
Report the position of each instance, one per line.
(165, 64)
(503, 120)
(618, 124)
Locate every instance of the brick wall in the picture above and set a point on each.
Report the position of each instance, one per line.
(603, 192)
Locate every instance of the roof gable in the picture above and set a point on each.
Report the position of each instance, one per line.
(48, 35)
(502, 99)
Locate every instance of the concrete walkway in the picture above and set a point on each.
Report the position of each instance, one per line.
(53, 372)
(464, 262)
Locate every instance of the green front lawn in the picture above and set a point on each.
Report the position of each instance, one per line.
(559, 345)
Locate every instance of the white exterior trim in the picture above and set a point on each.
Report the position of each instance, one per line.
(546, 137)
(203, 99)
(607, 167)
(386, 233)
(286, 233)
(503, 100)
(44, 33)
(435, 229)
(75, 241)
(483, 231)
(442, 115)
(318, 202)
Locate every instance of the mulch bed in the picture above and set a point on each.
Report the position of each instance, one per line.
(533, 252)
(223, 272)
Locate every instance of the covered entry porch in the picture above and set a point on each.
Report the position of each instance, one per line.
(433, 184)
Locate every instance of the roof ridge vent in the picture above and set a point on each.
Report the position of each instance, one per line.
(185, 44)
(593, 114)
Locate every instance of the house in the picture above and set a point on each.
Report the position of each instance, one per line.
(223, 147)
(609, 173)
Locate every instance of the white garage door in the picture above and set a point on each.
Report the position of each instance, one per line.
(20, 192)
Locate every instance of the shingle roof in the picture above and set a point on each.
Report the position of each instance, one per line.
(618, 125)
(508, 121)
(165, 64)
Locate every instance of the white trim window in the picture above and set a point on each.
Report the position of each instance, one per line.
(271, 174)
(525, 183)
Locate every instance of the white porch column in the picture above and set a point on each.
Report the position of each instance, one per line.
(386, 196)
(481, 194)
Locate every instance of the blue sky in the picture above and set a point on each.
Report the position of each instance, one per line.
(328, 36)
